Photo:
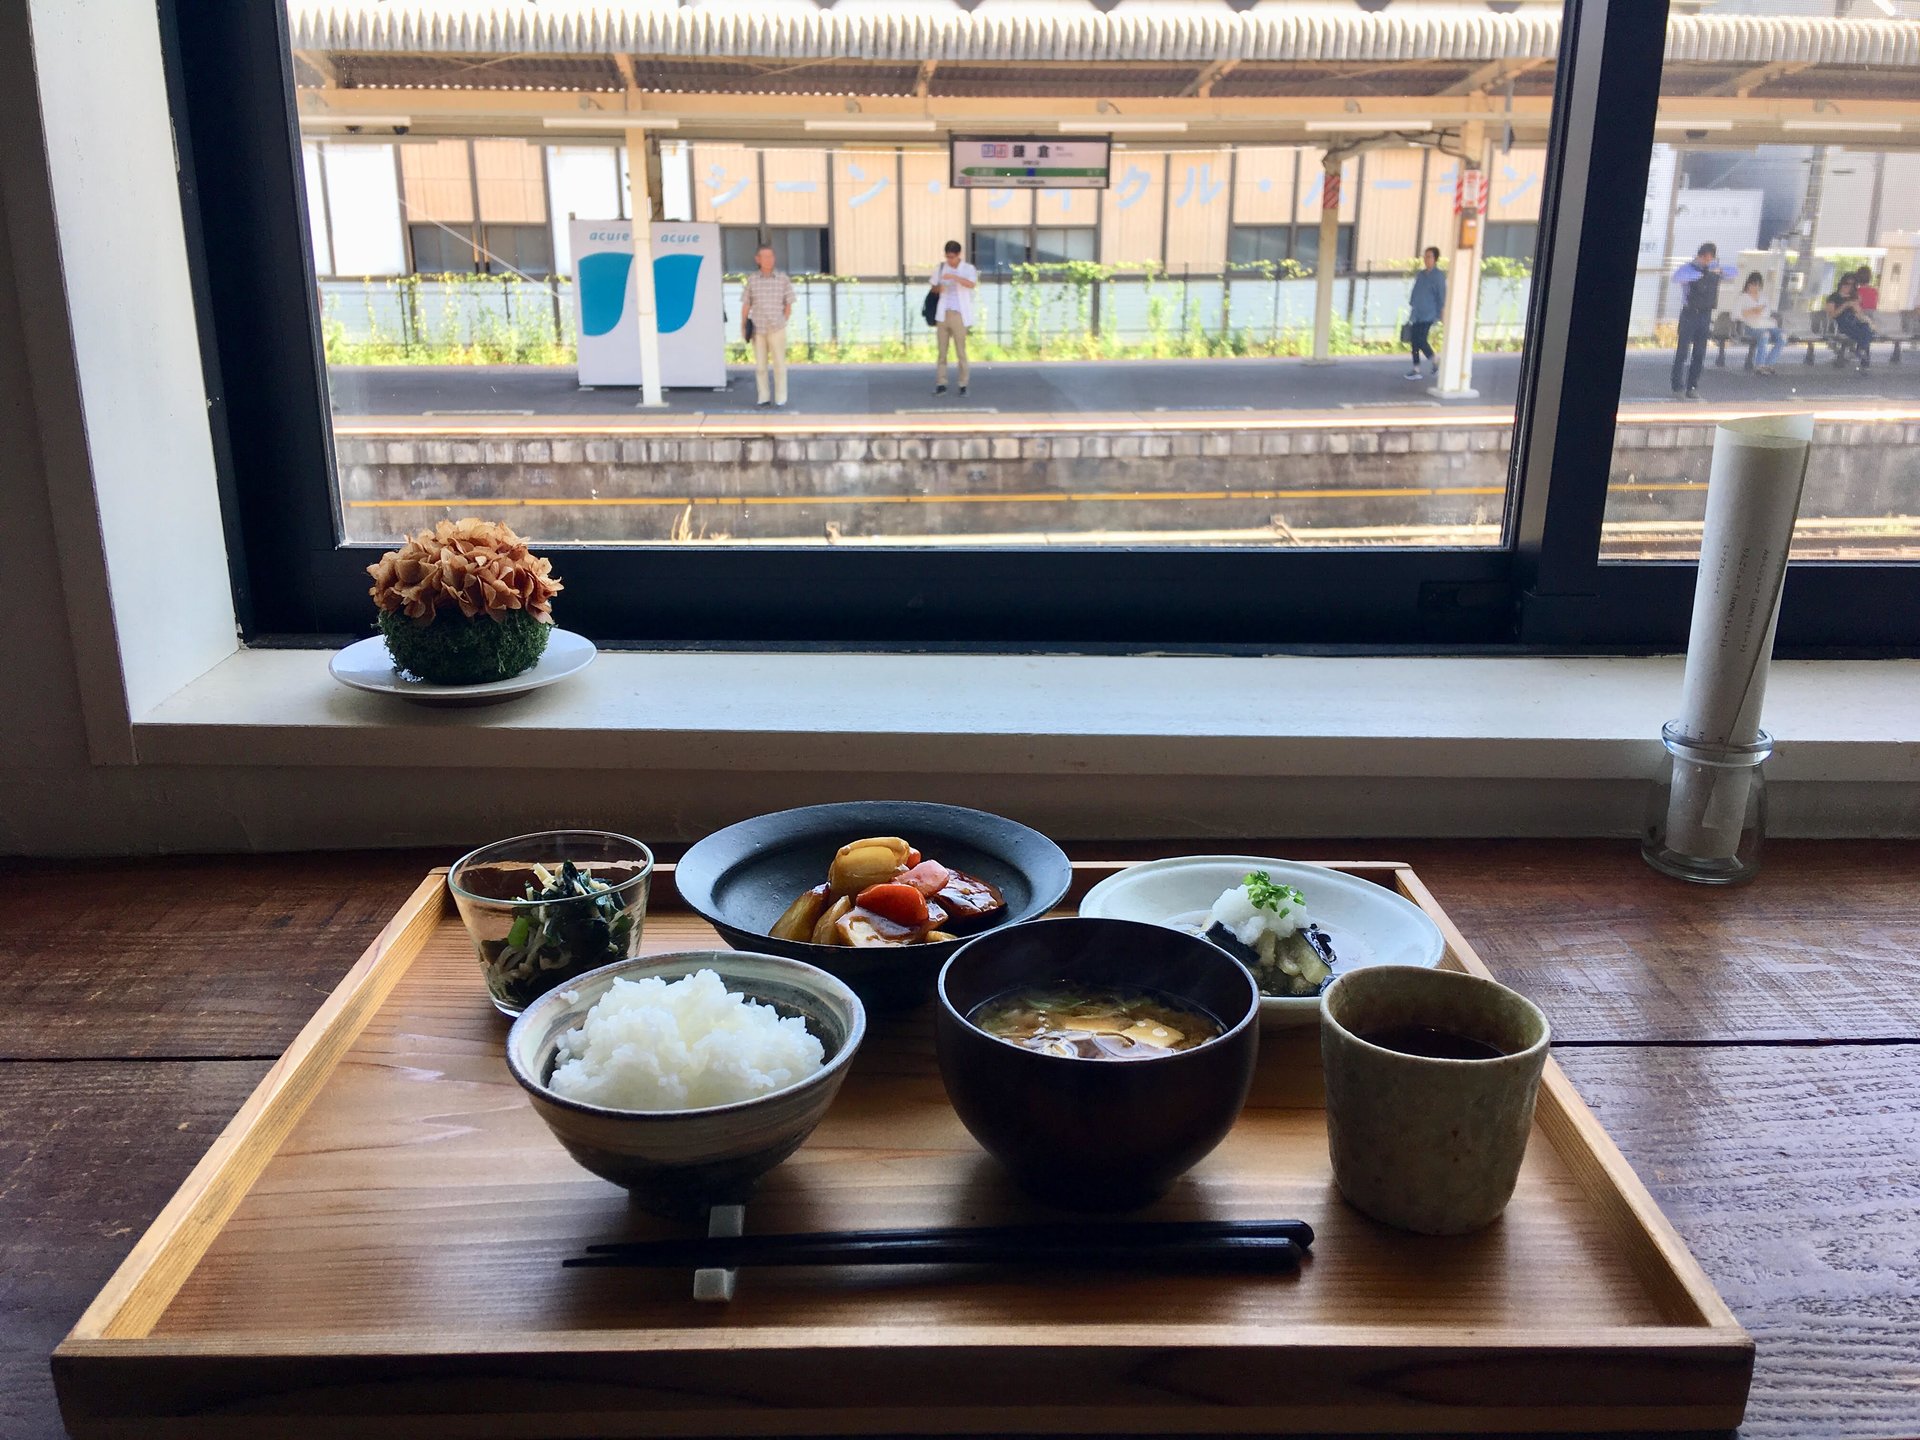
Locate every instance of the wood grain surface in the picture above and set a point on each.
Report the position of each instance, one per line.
(89, 1152)
(1789, 1171)
(186, 958)
(1822, 945)
(1794, 1175)
(215, 957)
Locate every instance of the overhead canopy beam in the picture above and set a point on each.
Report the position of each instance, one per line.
(1495, 72)
(1748, 81)
(623, 62)
(323, 66)
(923, 82)
(1729, 121)
(1202, 84)
(714, 111)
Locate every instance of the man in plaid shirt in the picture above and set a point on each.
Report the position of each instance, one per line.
(767, 303)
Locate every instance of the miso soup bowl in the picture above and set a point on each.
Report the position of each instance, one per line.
(1097, 1134)
(679, 1162)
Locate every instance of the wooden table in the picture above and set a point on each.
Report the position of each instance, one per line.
(1756, 1054)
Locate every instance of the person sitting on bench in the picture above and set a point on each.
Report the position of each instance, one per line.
(1843, 308)
(1756, 313)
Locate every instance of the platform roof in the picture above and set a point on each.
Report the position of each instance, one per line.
(1220, 66)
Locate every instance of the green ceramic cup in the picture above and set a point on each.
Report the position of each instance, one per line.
(1424, 1144)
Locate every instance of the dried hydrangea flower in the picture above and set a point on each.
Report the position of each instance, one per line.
(479, 567)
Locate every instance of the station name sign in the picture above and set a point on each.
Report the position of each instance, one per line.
(1031, 162)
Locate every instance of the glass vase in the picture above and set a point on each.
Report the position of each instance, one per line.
(1707, 813)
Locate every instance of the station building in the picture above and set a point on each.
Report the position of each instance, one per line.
(460, 137)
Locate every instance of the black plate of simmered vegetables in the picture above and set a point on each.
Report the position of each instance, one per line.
(746, 879)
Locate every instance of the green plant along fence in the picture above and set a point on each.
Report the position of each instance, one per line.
(448, 320)
(1079, 310)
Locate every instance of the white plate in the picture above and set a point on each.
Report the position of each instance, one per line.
(1369, 924)
(366, 665)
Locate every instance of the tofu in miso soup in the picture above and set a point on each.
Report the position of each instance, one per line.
(1081, 1023)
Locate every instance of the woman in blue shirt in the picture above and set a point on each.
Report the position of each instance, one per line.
(1429, 299)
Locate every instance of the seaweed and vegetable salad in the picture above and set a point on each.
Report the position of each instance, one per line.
(579, 924)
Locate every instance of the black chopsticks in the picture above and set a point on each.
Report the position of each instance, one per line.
(1268, 1245)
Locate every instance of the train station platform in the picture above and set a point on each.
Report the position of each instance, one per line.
(1226, 392)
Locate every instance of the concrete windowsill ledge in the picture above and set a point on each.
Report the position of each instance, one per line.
(1452, 717)
(266, 751)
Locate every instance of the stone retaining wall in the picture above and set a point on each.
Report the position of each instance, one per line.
(782, 485)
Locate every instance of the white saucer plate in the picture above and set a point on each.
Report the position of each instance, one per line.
(366, 665)
(1368, 923)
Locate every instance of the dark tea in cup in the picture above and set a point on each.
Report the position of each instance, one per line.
(1431, 1077)
(1430, 1042)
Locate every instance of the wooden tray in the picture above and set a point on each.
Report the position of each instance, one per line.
(372, 1248)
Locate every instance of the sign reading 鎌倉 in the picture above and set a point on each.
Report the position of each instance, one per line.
(1006, 162)
(687, 303)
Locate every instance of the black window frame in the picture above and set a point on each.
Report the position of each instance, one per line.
(230, 74)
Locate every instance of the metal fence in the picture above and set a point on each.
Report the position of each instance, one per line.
(528, 319)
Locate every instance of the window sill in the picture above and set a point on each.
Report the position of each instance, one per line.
(1409, 718)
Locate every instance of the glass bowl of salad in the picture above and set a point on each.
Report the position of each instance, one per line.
(544, 908)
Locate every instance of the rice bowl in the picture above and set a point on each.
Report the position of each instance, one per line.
(677, 1162)
(657, 1044)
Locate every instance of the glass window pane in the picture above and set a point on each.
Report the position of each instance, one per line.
(518, 250)
(1777, 263)
(999, 249)
(737, 246)
(1251, 244)
(1197, 264)
(1512, 241)
(1056, 245)
(441, 249)
(800, 251)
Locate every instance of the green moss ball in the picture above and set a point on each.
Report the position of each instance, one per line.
(453, 650)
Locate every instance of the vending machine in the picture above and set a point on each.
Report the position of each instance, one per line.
(1900, 271)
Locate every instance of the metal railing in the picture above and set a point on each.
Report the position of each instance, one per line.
(479, 319)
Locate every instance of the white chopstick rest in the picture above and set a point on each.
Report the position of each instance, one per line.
(724, 1222)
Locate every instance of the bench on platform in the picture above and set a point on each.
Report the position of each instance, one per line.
(1897, 329)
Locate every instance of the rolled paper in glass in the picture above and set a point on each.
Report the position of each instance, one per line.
(1753, 498)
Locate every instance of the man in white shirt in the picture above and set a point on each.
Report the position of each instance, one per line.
(956, 282)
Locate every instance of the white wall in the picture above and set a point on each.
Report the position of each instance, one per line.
(363, 201)
(582, 181)
(1846, 200)
(133, 470)
(117, 604)
(1900, 194)
(318, 237)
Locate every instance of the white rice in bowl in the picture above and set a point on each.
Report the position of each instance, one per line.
(654, 1044)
